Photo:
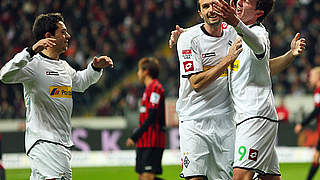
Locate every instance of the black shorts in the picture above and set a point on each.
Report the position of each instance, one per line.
(318, 145)
(149, 160)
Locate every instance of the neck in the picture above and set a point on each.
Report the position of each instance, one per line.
(214, 30)
(147, 80)
(51, 54)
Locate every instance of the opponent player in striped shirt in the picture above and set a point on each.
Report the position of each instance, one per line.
(150, 137)
(314, 82)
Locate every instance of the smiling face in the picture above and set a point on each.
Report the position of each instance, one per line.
(62, 38)
(207, 14)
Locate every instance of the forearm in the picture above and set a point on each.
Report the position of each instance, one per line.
(144, 127)
(279, 63)
(85, 78)
(11, 71)
(311, 116)
(201, 80)
(251, 39)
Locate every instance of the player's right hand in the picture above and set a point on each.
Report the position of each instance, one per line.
(175, 35)
(43, 44)
(297, 128)
(235, 49)
(130, 142)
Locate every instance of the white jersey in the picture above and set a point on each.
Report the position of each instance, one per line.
(250, 82)
(48, 86)
(198, 52)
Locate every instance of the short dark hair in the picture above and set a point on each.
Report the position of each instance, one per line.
(266, 6)
(46, 23)
(198, 5)
(151, 64)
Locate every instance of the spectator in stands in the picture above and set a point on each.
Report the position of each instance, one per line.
(314, 82)
(150, 136)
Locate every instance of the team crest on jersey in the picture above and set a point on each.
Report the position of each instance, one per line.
(188, 66)
(235, 65)
(186, 161)
(60, 91)
(186, 54)
(253, 154)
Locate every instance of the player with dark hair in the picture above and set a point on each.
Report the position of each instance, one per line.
(2, 171)
(150, 136)
(314, 82)
(48, 83)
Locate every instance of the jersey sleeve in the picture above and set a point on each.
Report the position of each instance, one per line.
(81, 80)
(19, 69)
(189, 57)
(156, 97)
(316, 99)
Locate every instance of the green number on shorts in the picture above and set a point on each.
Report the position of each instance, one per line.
(242, 151)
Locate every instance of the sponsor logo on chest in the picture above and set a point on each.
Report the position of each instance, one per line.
(60, 91)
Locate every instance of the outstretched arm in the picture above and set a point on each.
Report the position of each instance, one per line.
(280, 63)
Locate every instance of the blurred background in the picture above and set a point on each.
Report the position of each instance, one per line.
(127, 30)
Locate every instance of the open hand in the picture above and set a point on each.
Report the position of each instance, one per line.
(43, 44)
(297, 45)
(175, 35)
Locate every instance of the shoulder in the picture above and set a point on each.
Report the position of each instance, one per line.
(260, 29)
(191, 33)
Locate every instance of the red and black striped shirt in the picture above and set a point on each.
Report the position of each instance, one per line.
(151, 132)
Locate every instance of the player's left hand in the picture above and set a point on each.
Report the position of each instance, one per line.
(297, 45)
(102, 62)
(130, 142)
(227, 12)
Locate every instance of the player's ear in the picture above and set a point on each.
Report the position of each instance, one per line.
(200, 14)
(259, 13)
(48, 35)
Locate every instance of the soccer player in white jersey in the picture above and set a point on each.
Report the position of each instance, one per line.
(48, 83)
(251, 91)
(204, 106)
(276, 64)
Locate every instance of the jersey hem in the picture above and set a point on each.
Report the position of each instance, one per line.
(47, 141)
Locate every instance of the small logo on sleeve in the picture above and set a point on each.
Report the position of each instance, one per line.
(154, 98)
(186, 54)
(253, 154)
(60, 92)
(188, 66)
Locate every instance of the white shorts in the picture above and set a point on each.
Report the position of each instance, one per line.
(50, 161)
(207, 147)
(255, 146)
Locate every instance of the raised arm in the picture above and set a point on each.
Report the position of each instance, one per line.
(16, 70)
(227, 12)
(279, 63)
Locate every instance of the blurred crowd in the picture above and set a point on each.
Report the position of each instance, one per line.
(127, 30)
